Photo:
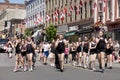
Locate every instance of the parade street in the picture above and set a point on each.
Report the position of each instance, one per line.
(50, 73)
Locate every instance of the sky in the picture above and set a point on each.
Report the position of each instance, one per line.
(14, 1)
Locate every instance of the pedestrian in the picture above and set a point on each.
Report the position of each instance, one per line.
(23, 52)
(60, 46)
(92, 47)
(18, 56)
(79, 52)
(46, 48)
(52, 53)
(85, 45)
(109, 52)
(30, 52)
(101, 49)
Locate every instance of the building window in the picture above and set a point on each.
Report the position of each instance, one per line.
(109, 9)
(85, 9)
(119, 7)
(59, 2)
(81, 12)
(90, 8)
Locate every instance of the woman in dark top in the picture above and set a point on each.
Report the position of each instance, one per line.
(85, 45)
(92, 47)
(109, 51)
(52, 53)
(60, 48)
(73, 52)
(23, 52)
(101, 48)
(18, 55)
(30, 52)
(79, 52)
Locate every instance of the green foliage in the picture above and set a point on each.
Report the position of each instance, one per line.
(27, 32)
(51, 32)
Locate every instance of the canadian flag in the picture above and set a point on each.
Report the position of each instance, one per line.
(94, 6)
(48, 17)
(62, 17)
(40, 19)
(69, 13)
(36, 22)
(81, 3)
(65, 10)
(104, 5)
(71, 8)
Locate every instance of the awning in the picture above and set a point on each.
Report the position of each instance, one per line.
(85, 31)
(69, 33)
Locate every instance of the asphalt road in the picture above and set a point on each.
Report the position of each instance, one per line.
(50, 73)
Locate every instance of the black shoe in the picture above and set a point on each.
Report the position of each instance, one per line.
(100, 66)
(103, 70)
(110, 67)
(105, 65)
(45, 63)
(61, 70)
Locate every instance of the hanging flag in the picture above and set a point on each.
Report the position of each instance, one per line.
(40, 19)
(62, 17)
(36, 22)
(48, 17)
(65, 10)
(71, 8)
(69, 13)
(104, 5)
(94, 6)
(81, 3)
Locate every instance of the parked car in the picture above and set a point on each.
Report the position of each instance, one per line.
(3, 45)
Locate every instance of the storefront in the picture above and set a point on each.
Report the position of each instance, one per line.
(114, 29)
(80, 29)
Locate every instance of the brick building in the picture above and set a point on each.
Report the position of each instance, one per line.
(11, 13)
(108, 11)
(71, 15)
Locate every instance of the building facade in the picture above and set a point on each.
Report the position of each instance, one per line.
(108, 12)
(11, 19)
(70, 15)
(35, 13)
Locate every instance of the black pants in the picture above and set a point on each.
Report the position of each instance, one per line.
(57, 64)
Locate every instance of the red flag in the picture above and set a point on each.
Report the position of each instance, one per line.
(104, 1)
(95, 5)
(48, 17)
(35, 22)
(81, 4)
(40, 19)
(62, 17)
(65, 10)
(69, 13)
(71, 8)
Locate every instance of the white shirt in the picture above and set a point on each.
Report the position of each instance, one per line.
(46, 47)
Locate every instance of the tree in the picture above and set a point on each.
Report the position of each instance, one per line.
(28, 32)
(51, 32)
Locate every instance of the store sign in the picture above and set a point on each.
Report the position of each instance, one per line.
(73, 28)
